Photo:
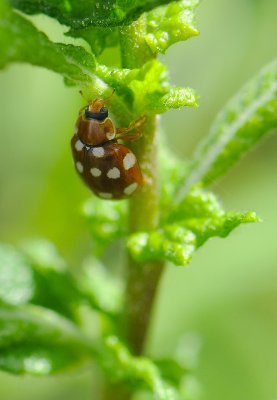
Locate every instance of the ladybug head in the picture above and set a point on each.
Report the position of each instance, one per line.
(97, 110)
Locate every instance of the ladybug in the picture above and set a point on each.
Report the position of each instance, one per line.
(107, 167)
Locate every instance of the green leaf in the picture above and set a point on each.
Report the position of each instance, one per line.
(245, 120)
(147, 90)
(169, 24)
(16, 277)
(121, 365)
(207, 228)
(107, 221)
(101, 287)
(176, 97)
(171, 370)
(201, 213)
(198, 204)
(98, 38)
(39, 341)
(79, 14)
(142, 91)
(20, 41)
(54, 285)
(38, 275)
(172, 243)
(44, 255)
(186, 227)
(154, 95)
(37, 360)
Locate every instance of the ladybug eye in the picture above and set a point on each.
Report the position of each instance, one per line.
(103, 113)
(100, 115)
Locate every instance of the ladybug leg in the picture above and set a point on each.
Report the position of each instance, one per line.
(122, 134)
(137, 124)
(127, 134)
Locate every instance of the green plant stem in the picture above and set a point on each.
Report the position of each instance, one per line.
(142, 279)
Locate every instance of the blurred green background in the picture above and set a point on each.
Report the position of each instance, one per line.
(224, 304)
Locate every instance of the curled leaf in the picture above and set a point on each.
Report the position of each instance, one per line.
(147, 89)
(172, 243)
(169, 24)
(186, 227)
(207, 228)
(123, 366)
(198, 204)
(201, 213)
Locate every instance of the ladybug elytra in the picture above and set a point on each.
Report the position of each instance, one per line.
(107, 167)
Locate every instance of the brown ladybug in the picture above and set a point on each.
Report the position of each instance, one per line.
(108, 168)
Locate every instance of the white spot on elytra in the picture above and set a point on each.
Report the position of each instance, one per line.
(79, 166)
(131, 188)
(95, 172)
(129, 161)
(98, 151)
(113, 173)
(110, 135)
(105, 195)
(79, 145)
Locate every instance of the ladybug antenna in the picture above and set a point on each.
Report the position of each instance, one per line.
(108, 99)
(82, 94)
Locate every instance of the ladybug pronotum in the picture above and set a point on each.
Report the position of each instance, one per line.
(107, 167)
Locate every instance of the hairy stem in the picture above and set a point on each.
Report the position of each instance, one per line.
(142, 279)
(143, 215)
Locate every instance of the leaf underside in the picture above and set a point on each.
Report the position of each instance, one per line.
(139, 91)
(38, 341)
(80, 14)
(245, 120)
